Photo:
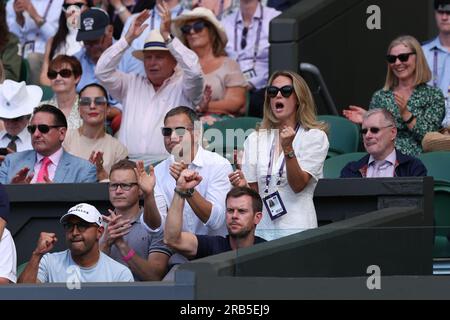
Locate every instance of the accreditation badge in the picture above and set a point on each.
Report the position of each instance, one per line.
(249, 74)
(274, 205)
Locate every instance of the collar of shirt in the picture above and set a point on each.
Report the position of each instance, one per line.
(55, 157)
(436, 43)
(391, 158)
(22, 135)
(256, 15)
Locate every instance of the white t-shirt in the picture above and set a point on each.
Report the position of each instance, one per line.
(8, 257)
(60, 267)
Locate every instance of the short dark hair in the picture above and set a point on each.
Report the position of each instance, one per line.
(61, 59)
(237, 192)
(437, 3)
(58, 115)
(124, 164)
(182, 110)
(93, 84)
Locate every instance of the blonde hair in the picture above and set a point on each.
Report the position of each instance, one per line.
(306, 110)
(422, 71)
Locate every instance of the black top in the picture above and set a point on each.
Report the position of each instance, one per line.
(210, 245)
(4, 203)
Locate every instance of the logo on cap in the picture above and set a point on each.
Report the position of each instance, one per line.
(88, 24)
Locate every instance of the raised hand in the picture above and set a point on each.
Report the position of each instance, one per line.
(207, 94)
(96, 158)
(401, 102)
(117, 228)
(176, 168)
(237, 179)
(287, 135)
(188, 179)
(354, 114)
(45, 243)
(21, 177)
(166, 19)
(137, 26)
(145, 181)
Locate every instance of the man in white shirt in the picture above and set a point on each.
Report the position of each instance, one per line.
(173, 77)
(204, 213)
(83, 261)
(17, 102)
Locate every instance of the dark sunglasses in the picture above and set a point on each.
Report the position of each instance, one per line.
(286, 91)
(447, 12)
(43, 128)
(196, 26)
(244, 37)
(81, 226)
(180, 131)
(123, 186)
(78, 4)
(403, 57)
(86, 101)
(65, 73)
(373, 130)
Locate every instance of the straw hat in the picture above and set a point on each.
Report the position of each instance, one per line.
(17, 99)
(198, 13)
(154, 41)
(436, 141)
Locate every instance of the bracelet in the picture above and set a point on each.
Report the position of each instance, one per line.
(185, 194)
(130, 255)
(121, 9)
(410, 119)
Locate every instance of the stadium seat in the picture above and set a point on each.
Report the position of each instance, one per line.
(47, 93)
(333, 166)
(343, 135)
(437, 164)
(441, 219)
(21, 268)
(24, 71)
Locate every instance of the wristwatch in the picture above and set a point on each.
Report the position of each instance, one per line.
(185, 194)
(290, 154)
(169, 39)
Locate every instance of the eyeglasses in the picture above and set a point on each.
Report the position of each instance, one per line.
(196, 26)
(286, 91)
(403, 57)
(373, 130)
(244, 37)
(447, 12)
(123, 186)
(82, 226)
(180, 131)
(65, 73)
(87, 101)
(43, 128)
(67, 5)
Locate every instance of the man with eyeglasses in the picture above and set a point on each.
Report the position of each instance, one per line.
(17, 102)
(82, 261)
(47, 162)
(248, 43)
(437, 53)
(204, 210)
(173, 77)
(127, 240)
(383, 160)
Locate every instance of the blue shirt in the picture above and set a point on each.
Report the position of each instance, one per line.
(442, 78)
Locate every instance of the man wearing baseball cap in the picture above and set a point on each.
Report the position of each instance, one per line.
(173, 78)
(83, 261)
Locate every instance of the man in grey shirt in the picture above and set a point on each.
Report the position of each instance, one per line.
(83, 261)
(127, 240)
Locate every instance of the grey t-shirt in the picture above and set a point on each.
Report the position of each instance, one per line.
(60, 267)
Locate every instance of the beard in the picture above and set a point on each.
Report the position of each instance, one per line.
(241, 234)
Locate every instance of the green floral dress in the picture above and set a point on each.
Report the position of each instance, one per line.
(426, 103)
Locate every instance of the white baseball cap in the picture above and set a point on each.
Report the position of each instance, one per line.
(85, 211)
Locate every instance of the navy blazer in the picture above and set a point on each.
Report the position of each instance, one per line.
(70, 169)
(405, 166)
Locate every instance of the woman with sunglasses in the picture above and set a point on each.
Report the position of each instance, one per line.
(64, 73)
(90, 141)
(283, 159)
(417, 107)
(225, 89)
(64, 41)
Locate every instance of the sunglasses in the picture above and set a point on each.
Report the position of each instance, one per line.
(196, 26)
(65, 73)
(180, 131)
(286, 91)
(43, 128)
(81, 226)
(403, 57)
(447, 12)
(373, 130)
(123, 186)
(244, 37)
(67, 5)
(86, 101)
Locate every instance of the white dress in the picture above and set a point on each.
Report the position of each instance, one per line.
(310, 148)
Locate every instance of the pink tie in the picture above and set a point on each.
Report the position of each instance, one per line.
(43, 172)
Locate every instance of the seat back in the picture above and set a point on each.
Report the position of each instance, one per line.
(343, 135)
(333, 166)
(441, 219)
(47, 93)
(24, 70)
(437, 164)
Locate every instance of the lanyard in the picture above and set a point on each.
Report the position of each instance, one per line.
(220, 13)
(435, 67)
(152, 19)
(258, 34)
(269, 166)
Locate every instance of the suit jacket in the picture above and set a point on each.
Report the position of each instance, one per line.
(70, 169)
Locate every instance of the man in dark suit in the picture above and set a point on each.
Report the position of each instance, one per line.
(47, 162)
